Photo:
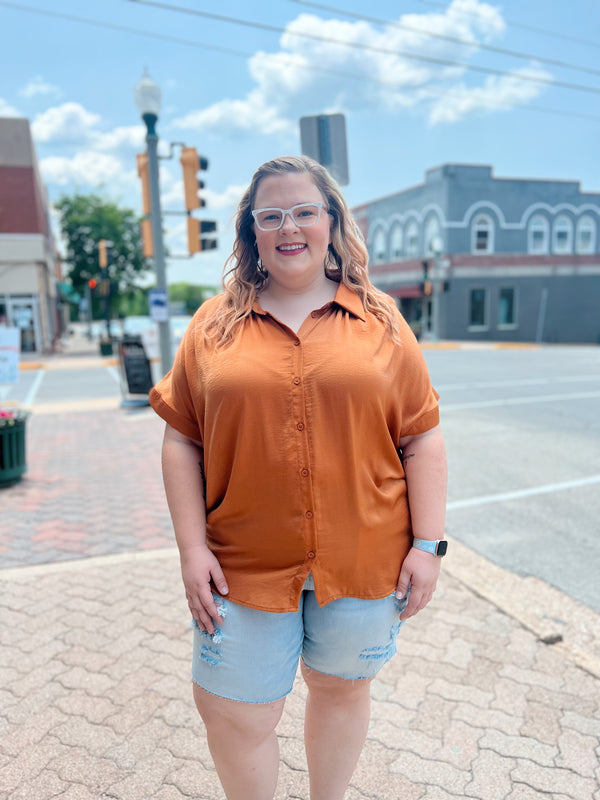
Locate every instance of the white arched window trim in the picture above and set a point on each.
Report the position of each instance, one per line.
(379, 249)
(562, 235)
(433, 233)
(538, 235)
(396, 242)
(482, 235)
(412, 239)
(585, 237)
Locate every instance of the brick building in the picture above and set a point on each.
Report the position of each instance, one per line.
(471, 256)
(29, 267)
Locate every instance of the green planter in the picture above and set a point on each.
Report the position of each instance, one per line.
(12, 451)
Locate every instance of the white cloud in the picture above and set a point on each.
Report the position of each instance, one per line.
(497, 94)
(38, 86)
(129, 137)
(69, 122)
(87, 168)
(252, 114)
(311, 73)
(486, 19)
(6, 110)
(229, 199)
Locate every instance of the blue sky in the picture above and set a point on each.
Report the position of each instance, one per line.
(514, 84)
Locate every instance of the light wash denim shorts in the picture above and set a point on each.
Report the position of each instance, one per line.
(253, 655)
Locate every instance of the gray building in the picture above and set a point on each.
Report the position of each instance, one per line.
(471, 256)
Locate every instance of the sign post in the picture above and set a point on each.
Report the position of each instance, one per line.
(323, 138)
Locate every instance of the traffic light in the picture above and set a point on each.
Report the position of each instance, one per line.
(427, 284)
(92, 283)
(142, 167)
(147, 245)
(145, 223)
(192, 163)
(102, 253)
(195, 228)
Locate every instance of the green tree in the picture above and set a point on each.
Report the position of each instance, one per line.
(84, 221)
(190, 295)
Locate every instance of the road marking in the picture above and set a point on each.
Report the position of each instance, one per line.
(33, 390)
(114, 373)
(517, 401)
(520, 493)
(70, 406)
(451, 387)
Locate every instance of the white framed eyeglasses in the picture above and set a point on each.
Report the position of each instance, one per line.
(303, 215)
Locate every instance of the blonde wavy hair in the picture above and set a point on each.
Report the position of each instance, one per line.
(346, 261)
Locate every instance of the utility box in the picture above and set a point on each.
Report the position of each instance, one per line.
(323, 138)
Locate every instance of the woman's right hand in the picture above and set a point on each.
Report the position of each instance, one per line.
(198, 567)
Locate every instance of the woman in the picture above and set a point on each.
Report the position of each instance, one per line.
(301, 425)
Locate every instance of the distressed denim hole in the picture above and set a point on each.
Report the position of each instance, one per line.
(212, 655)
(383, 652)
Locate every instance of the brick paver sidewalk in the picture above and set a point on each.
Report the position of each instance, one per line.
(96, 698)
(93, 487)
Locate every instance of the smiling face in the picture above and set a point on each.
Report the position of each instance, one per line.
(293, 255)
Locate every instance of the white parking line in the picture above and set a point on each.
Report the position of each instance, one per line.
(33, 390)
(114, 373)
(451, 387)
(517, 401)
(520, 493)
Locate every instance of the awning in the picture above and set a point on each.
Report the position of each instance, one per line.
(412, 290)
(67, 293)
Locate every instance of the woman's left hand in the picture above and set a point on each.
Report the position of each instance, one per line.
(420, 571)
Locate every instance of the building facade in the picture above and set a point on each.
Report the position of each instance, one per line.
(29, 267)
(471, 256)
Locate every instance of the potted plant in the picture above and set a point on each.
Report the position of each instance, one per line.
(106, 346)
(12, 445)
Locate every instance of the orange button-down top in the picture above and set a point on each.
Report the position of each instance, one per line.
(301, 435)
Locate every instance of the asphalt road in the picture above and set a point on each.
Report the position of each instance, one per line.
(522, 429)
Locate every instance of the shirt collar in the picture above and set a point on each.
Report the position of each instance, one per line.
(344, 297)
(348, 299)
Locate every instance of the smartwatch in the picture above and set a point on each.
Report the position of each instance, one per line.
(437, 547)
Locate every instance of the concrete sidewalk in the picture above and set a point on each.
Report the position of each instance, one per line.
(494, 695)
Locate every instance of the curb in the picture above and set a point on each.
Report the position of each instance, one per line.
(552, 616)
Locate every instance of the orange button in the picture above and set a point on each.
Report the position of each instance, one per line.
(310, 554)
(300, 426)
(296, 381)
(304, 472)
(315, 314)
(309, 515)
(297, 342)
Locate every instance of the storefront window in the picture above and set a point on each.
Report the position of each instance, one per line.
(506, 308)
(477, 308)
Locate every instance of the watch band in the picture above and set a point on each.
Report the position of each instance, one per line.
(437, 547)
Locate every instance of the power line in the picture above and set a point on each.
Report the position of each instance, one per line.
(124, 29)
(524, 27)
(446, 37)
(245, 54)
(355, 45)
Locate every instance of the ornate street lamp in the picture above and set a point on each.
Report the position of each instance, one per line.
(147, 99)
